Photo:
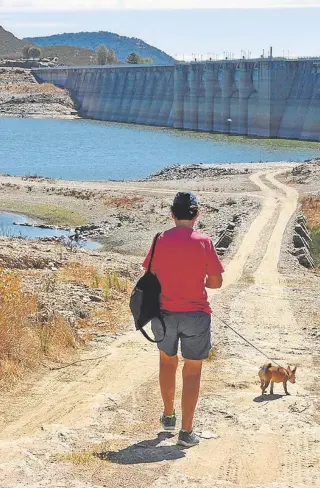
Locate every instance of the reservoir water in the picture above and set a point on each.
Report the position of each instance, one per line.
(91, 150)
(10, 229)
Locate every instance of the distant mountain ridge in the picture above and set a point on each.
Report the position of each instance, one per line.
(122, 45)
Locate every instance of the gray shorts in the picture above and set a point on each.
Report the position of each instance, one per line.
(192, 328)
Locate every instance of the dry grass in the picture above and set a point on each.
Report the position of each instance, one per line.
(78, 458)
(92, 454)
(56, 336)
(109, 314)
(106, 318)
(24, 340)
(248, 279)
(123, 202)
(311, 209)
(79, 274)
(212, 356)
(88, 275)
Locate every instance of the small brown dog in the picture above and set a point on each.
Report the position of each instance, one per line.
(268, 373)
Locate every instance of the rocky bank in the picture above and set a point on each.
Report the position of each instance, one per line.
(22, 96)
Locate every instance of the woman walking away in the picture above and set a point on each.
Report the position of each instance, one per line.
(185, 262)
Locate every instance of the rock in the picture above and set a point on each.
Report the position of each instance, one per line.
(220, 250)
(192, 171)
(298, 252)
(225, 240)
(208, 434)
(96, 298)
(23, 224)
(82, 314)
(302, 169)
(302, 231)
(231, 226)
(299, 241)
(301, 219)
(306, 260)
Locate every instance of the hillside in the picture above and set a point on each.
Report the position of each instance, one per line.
(122, 45)
(10, 46)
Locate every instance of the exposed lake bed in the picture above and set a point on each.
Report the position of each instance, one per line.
(124, 216)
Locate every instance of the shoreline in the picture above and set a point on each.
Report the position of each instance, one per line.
(124, 216)
(148, 179)
(41, 116)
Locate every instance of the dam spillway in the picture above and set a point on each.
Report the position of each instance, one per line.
(259, 98)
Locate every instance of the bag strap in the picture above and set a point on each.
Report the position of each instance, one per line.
(153, 249)
(143, 332)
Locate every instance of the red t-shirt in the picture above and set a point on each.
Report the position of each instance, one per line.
(182, 260)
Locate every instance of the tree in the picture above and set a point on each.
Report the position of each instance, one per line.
(34, 52)
(133, 58)
(111, 57)
(25, 51)
(102, 53)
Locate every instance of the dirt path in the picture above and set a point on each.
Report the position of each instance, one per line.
(262, 442)
(272, 441)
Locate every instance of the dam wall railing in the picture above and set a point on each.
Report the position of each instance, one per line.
(262, 98)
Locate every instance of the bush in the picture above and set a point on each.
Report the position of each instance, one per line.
(25, 51)
(147, 60)
(24, 339)
(90, 276)
(311, 209)
(111, 57)
(315, 246)
(106, 56)
(102, 54)
(133, 58)
(34, 52)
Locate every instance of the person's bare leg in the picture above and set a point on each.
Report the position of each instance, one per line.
(167, 377)
(191, 384)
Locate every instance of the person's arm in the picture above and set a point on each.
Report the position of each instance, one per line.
(214, 267)
(214, 281)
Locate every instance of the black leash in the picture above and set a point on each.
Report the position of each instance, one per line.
(79, 361)
(248, 342)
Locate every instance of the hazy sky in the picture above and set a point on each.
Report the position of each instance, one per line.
(178, 26)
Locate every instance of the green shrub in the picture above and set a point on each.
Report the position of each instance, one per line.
(34, 52)
(102, 53)
(315, 245)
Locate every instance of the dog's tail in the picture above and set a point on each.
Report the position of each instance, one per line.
(265, 367)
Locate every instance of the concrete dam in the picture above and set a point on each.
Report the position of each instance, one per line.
(263, 98)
